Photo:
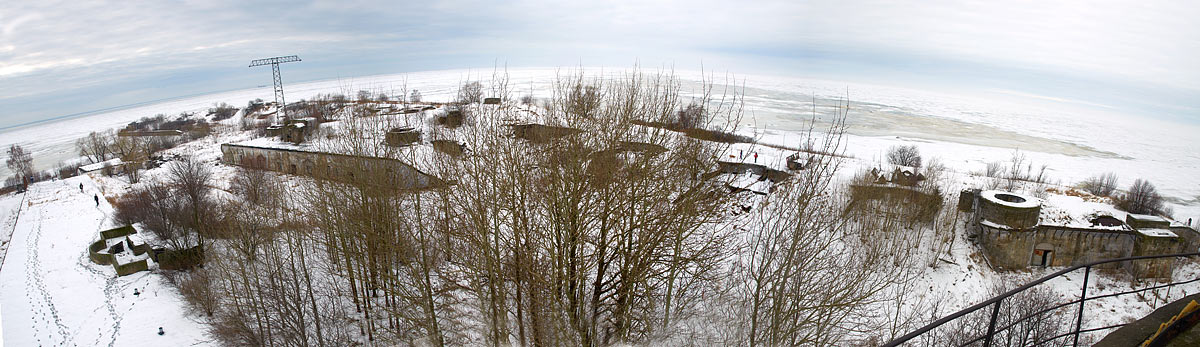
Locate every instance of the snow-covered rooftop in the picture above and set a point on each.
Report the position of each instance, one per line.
(1147, 218)
(1078, 211)
(751, 182)
(100, 165)
(1010, 199)
(1155, 232)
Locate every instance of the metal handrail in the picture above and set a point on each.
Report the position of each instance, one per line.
(1076, 301)
(999, 298)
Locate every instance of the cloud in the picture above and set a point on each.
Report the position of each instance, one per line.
(46, 46)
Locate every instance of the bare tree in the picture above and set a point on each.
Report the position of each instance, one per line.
(809, 270)
(1100, 185)
(254, 184)
(470, 92)
(904, 155)
(189, 186)
(1142, 197)
(133, 153)
(1028, 318)
(96, 146)
(21, 163)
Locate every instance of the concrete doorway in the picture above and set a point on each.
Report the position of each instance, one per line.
(1043, 255)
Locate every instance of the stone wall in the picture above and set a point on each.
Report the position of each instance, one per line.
(1190, 236)
(1012, 238)
(1014, 249)
(1153, 245)
(1007, 214)
(332, 166)
(1075, 246)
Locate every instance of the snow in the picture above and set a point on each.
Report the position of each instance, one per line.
(966, 131)
(9, 207)
(1155, 232)
(1147, 218)
(100, 165)
(1078, 211)
(990, 224)
(52, 294)
(1026, 201)
(751, 182)
(748, 153)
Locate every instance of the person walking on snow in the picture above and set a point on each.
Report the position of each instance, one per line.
(81, 187)
(97, 197)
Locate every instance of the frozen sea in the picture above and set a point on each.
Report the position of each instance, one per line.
(964, 131)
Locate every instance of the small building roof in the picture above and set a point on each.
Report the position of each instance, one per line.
(1156, 232)
(100, 165)
(1010, 199)
(1146, 218)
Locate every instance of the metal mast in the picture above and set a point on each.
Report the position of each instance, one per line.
(274, 62)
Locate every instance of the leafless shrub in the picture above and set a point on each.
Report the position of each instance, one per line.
(222, 111)
(20, 162)
(133, 207)
(67, 170)
(96, 146)
(993, 169)
(904, 155)
(253, 183)
(1100, 185)
(1020, 311)
(690, 117)
(196, 288)
(470, 92)
(1142, 198)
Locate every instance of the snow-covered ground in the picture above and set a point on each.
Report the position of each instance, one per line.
(52, 294)
(9, 206)
(965, 131)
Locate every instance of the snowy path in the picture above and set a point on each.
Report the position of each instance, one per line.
(51, 294)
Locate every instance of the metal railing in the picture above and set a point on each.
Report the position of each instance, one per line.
(995, 303)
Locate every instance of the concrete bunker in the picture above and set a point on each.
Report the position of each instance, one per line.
(539, 133)
(402, 136)
(1008, 209)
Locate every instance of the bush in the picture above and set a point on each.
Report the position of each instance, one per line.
(717, 136)
(907, 155)
(222, 112)
(470, 92)
(1142, 198)
(1100, 185)
(690, 117)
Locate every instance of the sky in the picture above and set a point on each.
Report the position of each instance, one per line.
(60, 58)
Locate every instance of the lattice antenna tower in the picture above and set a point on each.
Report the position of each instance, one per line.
(274, 62)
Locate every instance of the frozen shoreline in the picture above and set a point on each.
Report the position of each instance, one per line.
(966, 133)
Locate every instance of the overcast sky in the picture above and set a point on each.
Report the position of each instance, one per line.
(65, 57)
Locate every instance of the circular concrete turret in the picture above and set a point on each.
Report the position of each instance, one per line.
(1009, 209)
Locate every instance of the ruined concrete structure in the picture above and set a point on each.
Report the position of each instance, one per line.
(293, 130)
(402, 136)
(148, 133)
(541, 133)
(121, 248)
(385, 172)
(1012, 237)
